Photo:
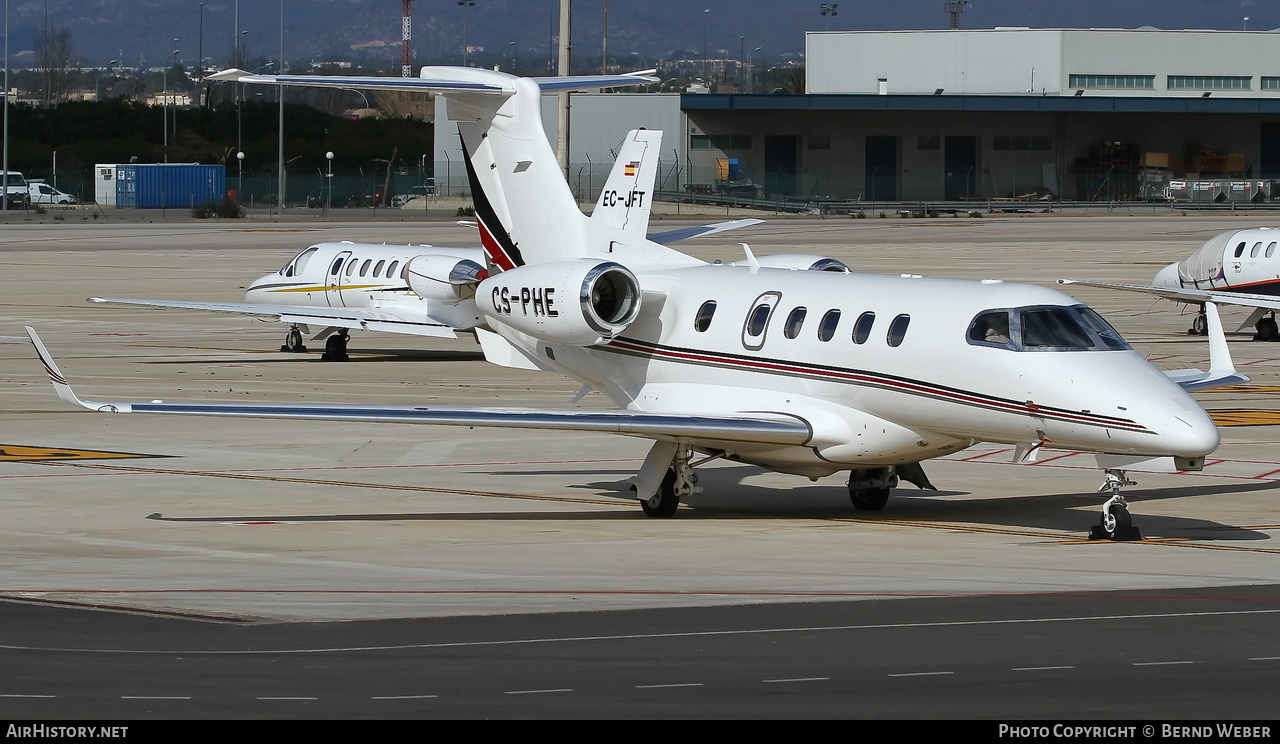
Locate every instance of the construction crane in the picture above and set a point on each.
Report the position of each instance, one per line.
(406, 37)
(954, 7)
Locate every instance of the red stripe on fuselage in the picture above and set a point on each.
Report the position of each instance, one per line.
(492, 249)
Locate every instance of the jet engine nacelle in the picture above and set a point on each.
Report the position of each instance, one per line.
(800, 262)
(442, 278)
(578, 303)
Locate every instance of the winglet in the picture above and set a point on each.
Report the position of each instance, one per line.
(1222, 370)
(60, 384)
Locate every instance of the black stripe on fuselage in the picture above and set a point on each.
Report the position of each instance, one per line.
(866, 378)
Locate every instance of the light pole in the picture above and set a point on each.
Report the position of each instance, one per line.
(280, 92)
(465, 4)
(512, 46)
(827, 11)
(200, 51)
(329, 179)
(4, 198)
(706, 14)
(164, 101)
(97, 83)
(240, 178)
(751, 66)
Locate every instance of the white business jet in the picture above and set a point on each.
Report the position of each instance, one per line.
(1237, 267)
(428, 290)
(801, 372)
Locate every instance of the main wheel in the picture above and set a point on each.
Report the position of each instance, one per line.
(664, 502)
(1115, 520)
(1200, 326)
(1267, 330)
(335, 349)
(869, 499)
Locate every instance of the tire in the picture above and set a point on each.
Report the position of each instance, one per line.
(1200, 326)
(335, 349)
(664, 503)
(1116, 520)
(869, 499)
(293, 342)
(1267, 330)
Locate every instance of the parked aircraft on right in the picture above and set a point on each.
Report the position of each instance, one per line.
(1237, 267)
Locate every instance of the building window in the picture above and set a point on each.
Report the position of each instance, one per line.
(719, 142)
(1210, 82)
(1021, 143)
(1113, 82)
(1271, 83)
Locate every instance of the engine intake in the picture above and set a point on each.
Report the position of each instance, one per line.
(578, 303)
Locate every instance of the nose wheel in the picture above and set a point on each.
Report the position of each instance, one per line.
(1116, 523)
(293, 341)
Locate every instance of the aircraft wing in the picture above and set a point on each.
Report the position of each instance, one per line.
(675, 236)
(329, 317)
(1189, 294)
(756, 427)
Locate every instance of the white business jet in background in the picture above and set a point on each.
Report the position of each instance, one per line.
(1237, 267)
(428, 290)
(801, 372)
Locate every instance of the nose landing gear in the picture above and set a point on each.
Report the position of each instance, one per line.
(293, 341)
(1116, 524)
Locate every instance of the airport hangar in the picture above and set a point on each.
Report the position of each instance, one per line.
(955, 114)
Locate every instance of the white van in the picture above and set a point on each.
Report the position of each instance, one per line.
(43, 193)
(15, 189)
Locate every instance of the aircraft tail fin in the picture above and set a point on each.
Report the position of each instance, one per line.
(626, 200)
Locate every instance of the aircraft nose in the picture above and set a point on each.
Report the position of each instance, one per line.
(1191, 433)
(1167, 277)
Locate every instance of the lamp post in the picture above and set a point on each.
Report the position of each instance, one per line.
(97, 83)
(200, 50)
(512, 45)
(706, 14)
(751, 66)
(164, 102)
(827, 11)
(240, 177)
(280, 93)
(329, 182)
(4, 198)
(465, 4)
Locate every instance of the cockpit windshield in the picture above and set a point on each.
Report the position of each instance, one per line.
(1051, 328)
(295, 267)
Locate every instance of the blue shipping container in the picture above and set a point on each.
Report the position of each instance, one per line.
(169, 185)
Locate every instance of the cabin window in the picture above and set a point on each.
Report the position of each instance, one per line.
(990, 328)
(364, 267)
(351, 266)
(391, 270)
(1271, 249)
(1240, 250)
(753, 331)
(703, 320)
(898, 330)
(377, 268)
(1053, 327)
(1257, 248)
(862, 327)
(794, 322)
(337, 266)
(827, 328)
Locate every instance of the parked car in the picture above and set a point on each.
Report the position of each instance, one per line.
(43, 193)
(15, 189)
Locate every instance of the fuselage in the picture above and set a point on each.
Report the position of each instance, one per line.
(1235, 261)
(887, 370)
(346, 274)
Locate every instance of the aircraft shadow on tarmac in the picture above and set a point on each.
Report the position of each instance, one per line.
(726, 497)
(357, 355)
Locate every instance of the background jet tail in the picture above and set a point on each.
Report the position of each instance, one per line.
(626, 200)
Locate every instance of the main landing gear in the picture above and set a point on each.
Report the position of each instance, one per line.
(1266, 329)
(335, 347)
(679, 482)
(1116, 523)
(869, 489)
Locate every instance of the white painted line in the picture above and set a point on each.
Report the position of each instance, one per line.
(28, 696)
(287, 698)
(1265, 658)
(797, 679)
(1160, 663)
(677, 684)
(919, 674)
(403, 697)
(155, 697)
(536, 692)
(1040, 669)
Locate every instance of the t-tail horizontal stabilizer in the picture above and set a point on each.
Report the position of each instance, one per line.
(1222, 371)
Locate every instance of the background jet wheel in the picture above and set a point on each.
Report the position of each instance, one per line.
(293, 342)
(1200, 326)
(1266, 330)
(335, 349)
(869, 499)
(664, 502)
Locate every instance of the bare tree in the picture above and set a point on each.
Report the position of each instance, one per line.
(396, 104)
(53, 56)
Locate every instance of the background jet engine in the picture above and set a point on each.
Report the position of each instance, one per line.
(800, 262)
(442, 278)
(578, 303)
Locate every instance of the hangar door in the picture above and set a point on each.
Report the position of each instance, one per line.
(1269, 152)
(781, 164)
(961, 163)
(881, 183)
